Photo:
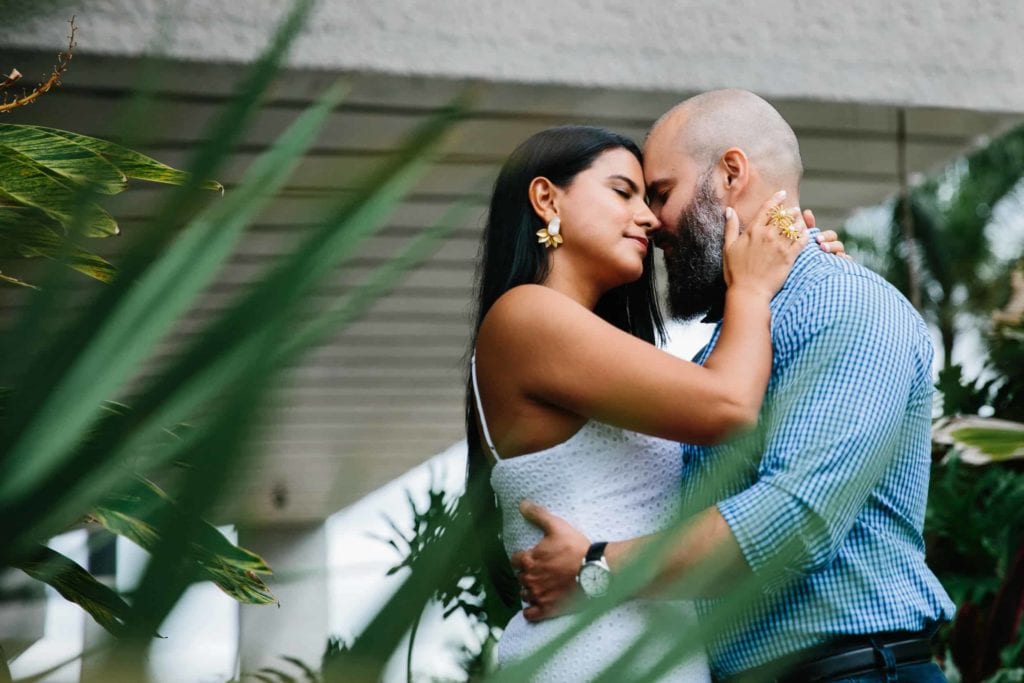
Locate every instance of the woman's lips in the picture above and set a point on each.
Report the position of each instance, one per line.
(642, 241)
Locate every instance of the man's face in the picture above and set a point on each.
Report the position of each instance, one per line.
(683, 198)
(693, 256)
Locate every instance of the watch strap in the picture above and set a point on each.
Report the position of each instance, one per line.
(595, 552)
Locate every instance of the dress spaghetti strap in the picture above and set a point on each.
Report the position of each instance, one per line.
(480, 410)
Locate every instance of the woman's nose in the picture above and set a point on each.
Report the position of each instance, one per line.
(648, 220)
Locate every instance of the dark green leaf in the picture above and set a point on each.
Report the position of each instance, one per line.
(311, 676)
(78, 586)
(147, 312)
(11, 280)
(32, 234)
(141, 511)
(28, 183)
(64, 156)
(131, 163)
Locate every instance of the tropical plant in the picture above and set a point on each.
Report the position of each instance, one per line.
(465, 589)
(1006, 350)
(298, 671)
(948, 269)
(50, 178)
(975, 520)
(62, 455)
(43, 173)
(58, 389)
(975, 535)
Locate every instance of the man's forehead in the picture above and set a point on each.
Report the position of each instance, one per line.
(664, 140)
(664, 160)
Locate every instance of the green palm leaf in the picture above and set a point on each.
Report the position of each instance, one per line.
(155, 301)
(223, 354)
(63, 155)
(981, 440)
(30, 233)
(131, 163)
(241, 585)
(142, 510)
(225, 132)
(11, 280)
(142, 506)
(78, 586)
(29, 183)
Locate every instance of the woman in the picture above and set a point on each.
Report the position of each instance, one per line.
(566, 284)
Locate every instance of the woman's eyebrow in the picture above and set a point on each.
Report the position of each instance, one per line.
(628, 181)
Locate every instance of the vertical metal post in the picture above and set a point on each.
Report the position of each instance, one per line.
(907, 214)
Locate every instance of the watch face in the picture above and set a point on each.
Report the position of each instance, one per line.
(594, 579)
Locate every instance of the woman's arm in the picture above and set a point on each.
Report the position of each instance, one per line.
(563, 354)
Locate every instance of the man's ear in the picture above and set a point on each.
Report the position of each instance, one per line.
(544, 198)
(735, 171)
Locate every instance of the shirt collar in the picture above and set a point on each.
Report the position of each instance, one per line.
(801, 264)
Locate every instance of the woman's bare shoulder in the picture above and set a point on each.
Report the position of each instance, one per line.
(529, 318)
(533, 307)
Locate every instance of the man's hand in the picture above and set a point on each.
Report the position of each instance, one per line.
(547, 571)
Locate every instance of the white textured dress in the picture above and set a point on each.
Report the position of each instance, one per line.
(611, 484)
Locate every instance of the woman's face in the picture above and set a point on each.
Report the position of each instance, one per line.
(605, 220)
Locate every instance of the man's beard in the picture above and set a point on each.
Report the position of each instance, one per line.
(693, 259)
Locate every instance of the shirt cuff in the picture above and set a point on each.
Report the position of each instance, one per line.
(770, 525)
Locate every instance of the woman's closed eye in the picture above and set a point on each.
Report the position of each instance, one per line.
(623, 186)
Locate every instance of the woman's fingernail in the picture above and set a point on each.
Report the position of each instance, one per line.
(729, 213)
(824, 247)
(818, 238)
(780, 195)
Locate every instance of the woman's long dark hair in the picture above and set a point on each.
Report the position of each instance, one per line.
(510, 256)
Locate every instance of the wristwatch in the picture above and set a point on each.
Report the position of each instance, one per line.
(595, 576)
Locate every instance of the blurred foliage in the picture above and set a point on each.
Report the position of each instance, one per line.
(46, 177)
(61, 459)
(975, 536)
(45, 174)
(975, 522)
(1006, 350)
(67, 452)
(294, 670)
(951, 214)
(466, 587)
(50, 181)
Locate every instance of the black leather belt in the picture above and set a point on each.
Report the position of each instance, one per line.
(848, 658)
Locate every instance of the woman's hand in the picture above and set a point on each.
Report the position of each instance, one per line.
(760, 257)
(828, 240)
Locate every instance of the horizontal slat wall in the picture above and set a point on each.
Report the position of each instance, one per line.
(387, 393)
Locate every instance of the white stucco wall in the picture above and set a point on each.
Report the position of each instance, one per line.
(945, 53)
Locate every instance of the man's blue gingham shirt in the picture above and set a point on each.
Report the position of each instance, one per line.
(827, 497)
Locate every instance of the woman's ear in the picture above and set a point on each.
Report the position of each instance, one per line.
(544, 198)
(735, 170)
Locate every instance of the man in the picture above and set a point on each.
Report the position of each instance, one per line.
(824, 503)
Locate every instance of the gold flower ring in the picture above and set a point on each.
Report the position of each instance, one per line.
(780, 219)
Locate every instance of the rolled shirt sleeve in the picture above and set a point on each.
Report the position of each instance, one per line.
(845, 372)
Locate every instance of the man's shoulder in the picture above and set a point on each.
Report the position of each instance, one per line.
(829, 292)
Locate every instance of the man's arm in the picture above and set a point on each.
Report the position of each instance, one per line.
(859, 369)
(704, 547)
(829, 437)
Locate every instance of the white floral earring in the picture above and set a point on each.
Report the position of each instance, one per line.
(551, 236)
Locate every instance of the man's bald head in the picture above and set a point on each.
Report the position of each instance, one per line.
(707, 125)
